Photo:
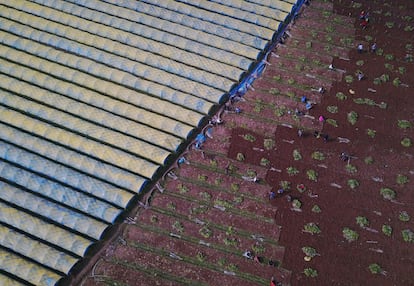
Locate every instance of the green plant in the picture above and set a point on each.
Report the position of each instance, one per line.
(280, 111)
(341, 96)
(317, 155)
(406, 142)
(353, 184)
(375, 268)
(362, 221)
(258, 248)
(389, 57)
(408, 235)
(308, 45)
(285, 185)
(230, 241)
(309, 251)
(238, 200)
(384, 77)
(360, 63)
(332, 122)
(235, 187)
(332, 109)
(240, 157)
(349, 234)
(277, 77)
(264, 162)
(205, 195)
(310, 272)
(218, 181)
(389, 66)
(312, 175)
(178, 226)
(202, 178)
(311, 228)
(269, 144)
(249, 137)
(205, 232)
(171, 206)
(352, 117)
(401, 70)
(182, 188)
(291, 94)
(296, 204)
(351, 169)
(316, 209)
(232, 267)
(213, 163)
(201, 257)
(296, 155)
(291, 81)
(221, 262)
(251, 173)
(396, 82)
(377, 81)
(292, 171)
(230, 230)
(154, 219)
(274, 91)
(380, 52)
(386, 229)
(371, 133)
(404, 216)
(402, 179)
(349, 78)
(404, 124)
(369, 160)
(387, 193)
(389, 24)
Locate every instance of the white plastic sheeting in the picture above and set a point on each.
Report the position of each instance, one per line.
(95, 99)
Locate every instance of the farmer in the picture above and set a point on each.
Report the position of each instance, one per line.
(360, 75)
(321, 90)
(364, 23)
(360, 48)
(374, 47)
(344, 156)
(248, 254)
(325, 137)
(273, 282)
(300, 133)
(331, 67)
(272, 195)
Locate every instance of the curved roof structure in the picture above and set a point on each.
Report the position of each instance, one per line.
(97, 97)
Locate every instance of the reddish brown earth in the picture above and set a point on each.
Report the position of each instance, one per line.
(196, 230)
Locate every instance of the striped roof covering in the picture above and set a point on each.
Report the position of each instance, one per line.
(96, 98)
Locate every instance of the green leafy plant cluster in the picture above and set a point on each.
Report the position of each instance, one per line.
(312, 175)
(292, 171)
(310, 272)
(387, 193)
(311, 228)
(352, 117)
(317, 155)
(296, 155)
(362, 221)
(408, 235)
(386, 229)
(349, 234)
(404, 216)
(353, 183)
(309, 251)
